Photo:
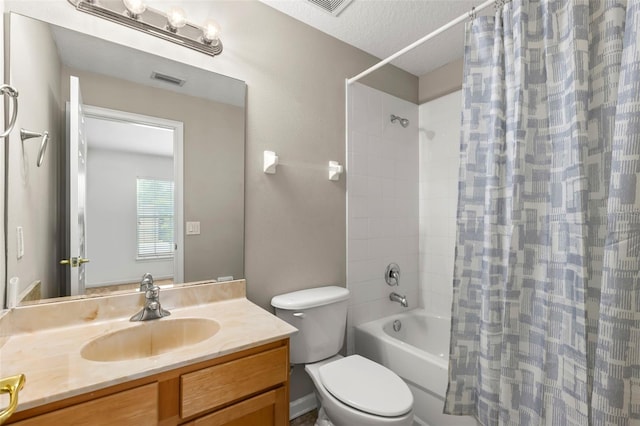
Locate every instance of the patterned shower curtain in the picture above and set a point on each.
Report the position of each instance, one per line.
(546, 306)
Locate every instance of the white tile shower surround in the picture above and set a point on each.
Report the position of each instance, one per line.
(439, 163)
(382, 203)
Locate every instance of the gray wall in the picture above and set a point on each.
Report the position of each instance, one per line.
(441, 81)
(213, 183)
(295, 219)
(34, 188)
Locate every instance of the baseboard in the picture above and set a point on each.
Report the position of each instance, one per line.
(302, 406)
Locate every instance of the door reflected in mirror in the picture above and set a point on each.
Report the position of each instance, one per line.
(130, 172)
(143, 157)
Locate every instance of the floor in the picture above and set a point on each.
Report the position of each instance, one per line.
(308, 419)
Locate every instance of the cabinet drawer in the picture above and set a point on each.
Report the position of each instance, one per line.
(135, 407)
(212, 387)
(262, 410)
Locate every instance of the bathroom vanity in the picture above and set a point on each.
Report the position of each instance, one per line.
(237, 376)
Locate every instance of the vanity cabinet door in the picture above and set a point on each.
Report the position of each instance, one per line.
(267, 409)
(213, 387)
(134, 407)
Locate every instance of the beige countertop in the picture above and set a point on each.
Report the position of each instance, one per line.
(50, 357)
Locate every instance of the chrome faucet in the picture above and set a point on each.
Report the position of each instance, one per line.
(152, 309)
(395, 297)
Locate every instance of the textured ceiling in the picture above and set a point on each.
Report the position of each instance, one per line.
(383, 27)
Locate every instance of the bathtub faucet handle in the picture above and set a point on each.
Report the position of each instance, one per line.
(392, 274)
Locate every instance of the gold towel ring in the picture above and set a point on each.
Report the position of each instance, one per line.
(12, 385)
(5, 89)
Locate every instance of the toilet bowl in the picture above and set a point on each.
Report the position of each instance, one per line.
(352, 390)
(360, 404)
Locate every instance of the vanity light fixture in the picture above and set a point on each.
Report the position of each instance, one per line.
(172, 26)
(135, 7)
(176, 19)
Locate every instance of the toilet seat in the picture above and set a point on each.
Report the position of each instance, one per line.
(367, 386)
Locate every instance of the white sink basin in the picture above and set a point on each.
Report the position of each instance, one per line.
(149, 338)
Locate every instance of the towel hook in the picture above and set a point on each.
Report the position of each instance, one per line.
(5, 89)
(28, 134)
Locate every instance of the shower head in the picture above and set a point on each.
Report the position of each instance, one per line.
(403, 121)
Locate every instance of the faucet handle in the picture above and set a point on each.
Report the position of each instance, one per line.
(146, 282)
(392, 274)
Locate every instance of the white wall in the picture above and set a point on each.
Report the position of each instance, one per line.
(382, 203)
(439, 164)
(111, 216)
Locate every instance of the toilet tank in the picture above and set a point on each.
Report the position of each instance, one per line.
(320, 315)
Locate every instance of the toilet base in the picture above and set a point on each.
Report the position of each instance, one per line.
(340, 414)
(323, 419)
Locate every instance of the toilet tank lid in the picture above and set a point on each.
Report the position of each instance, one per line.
(310, 298)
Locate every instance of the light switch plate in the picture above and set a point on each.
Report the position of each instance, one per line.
(193, 228)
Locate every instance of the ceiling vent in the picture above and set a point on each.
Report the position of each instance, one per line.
(334, 7)
(155, 75)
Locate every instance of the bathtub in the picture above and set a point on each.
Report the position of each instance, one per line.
(418, 352)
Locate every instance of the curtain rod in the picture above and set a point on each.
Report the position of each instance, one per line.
(415, 44)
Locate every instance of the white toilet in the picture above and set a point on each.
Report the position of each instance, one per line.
(352, 391)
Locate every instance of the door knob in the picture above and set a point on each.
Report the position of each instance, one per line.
(74, 261)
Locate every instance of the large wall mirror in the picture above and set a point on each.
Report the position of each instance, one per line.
(143, 170)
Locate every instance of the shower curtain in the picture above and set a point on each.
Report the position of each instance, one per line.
(546, 305)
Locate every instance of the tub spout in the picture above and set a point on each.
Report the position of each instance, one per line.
(395, 297)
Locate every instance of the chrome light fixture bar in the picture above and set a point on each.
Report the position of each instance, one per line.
(154, 22)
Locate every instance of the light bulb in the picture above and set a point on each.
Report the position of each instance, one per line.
(211, 32)
(135, 7)
(176, 18)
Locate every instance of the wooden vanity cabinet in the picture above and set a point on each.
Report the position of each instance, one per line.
(247, 388)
